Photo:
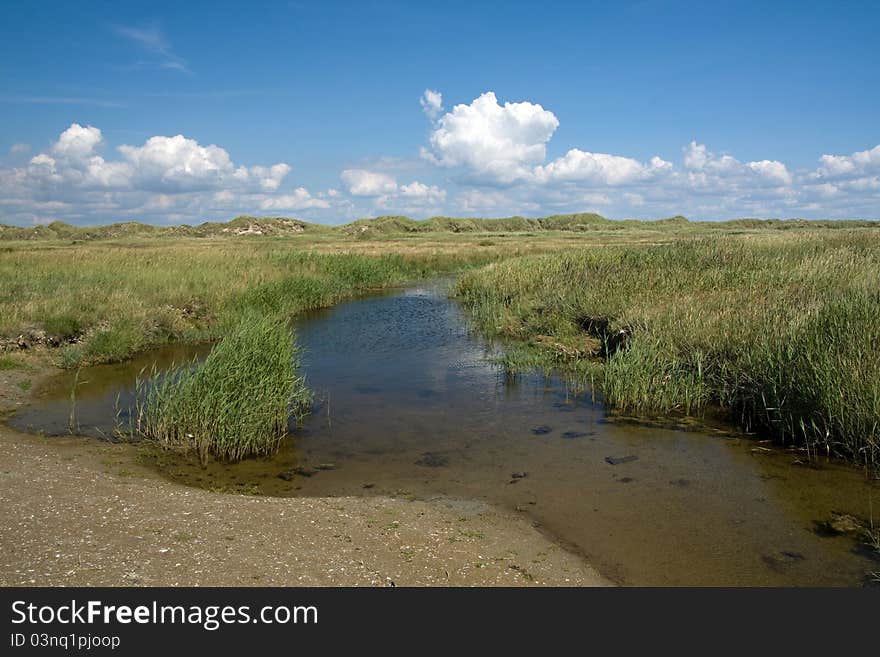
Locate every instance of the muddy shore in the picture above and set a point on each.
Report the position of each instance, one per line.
(79, 512)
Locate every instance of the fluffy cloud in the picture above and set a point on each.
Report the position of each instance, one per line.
(77, 142)
(850, 166)
(488, 143)
(163, 164)
(481, 158)
(361, 182)
(599, 169)
(415, 197)
(420, 192)
(705, 165)
(173, 175)
(432, 103)
(300, 199)
(495, 142)
(507, 144)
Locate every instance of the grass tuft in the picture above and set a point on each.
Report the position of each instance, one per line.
(235, 404)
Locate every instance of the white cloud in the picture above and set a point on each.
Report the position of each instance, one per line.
(169, 176)
(180, 163)
(772, 171)
(300, 199)
(422, 192)
(492, 158)
(706, 169)
(490, 144)
(153, 41)
(19, 149)
(361, 182)
(493, 141)
(432, 103)
(414, 198)
(77, 142)
(695, 156)
(160, 164)
(599, 169)
(857, 164)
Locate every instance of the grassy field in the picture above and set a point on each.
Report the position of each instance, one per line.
(104, 299)
(780, 329)
(104, 302)
(773, 321)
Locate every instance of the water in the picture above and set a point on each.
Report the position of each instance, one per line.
(408, 404)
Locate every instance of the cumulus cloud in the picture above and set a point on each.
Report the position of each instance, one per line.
(843, 166)
(488, 144)
(493, 141)
(361, 182)
(77, 142)
(161, 164)
(386, 193)
(174, 175)
(705, 168)
(491, 157)
(414, 198)
(772, 171)
(432, 103)
(507, 144)
(300, 199)
(599, 169)
(422, 192)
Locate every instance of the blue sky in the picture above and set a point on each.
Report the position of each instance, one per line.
(630, 109)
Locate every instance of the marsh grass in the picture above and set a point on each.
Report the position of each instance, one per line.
(105, 302)
(235, 404)
(782, 330)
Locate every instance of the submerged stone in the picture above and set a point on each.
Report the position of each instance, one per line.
(617, 460)
(432, 460)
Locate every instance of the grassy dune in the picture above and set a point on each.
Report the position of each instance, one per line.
(782, 330)
(380, 227)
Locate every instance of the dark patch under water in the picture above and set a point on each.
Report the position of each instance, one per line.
(409, 404)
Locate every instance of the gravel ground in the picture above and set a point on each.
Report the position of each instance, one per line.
(78, 512)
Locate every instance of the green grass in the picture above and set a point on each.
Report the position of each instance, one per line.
(9, 363)
(774, 321)
(235, 404)
(108, 292)
(780, 330)
(106, 301)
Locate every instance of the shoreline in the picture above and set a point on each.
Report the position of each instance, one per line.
(74, 511)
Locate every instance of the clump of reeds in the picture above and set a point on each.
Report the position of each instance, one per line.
(782, 331)
(235, 404)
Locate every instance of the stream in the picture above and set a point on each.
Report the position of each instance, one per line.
(409, 403)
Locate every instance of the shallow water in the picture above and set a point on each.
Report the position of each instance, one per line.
(407, 403)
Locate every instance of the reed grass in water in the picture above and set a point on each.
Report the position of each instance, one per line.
(784, 332)
(235, 404)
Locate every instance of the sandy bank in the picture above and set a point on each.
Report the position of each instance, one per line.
(79, 512)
